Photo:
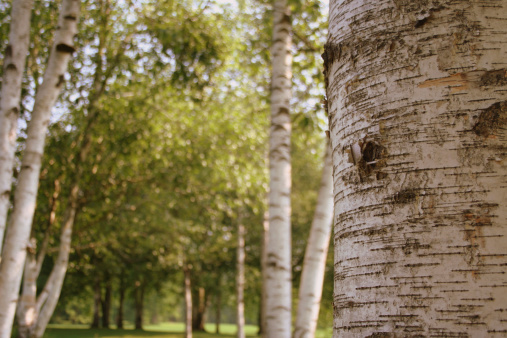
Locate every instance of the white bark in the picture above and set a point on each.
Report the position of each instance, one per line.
(26, 314)
(18, 231)
(417, 96)
(278, 276)
(188, 303)
(46, 303)
(27, 310)
(314, 265)
(240, 286)
(264, 260)
(10, 96)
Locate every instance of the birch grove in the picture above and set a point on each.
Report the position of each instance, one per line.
(19, 225)
(10, 96)
(417, 98)
(314, 265)
(278, 275)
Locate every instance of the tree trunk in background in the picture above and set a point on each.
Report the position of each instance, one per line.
(139, 304)
(199, 314)
(96, 305)
(218, 309)
(417, 95)
(10, 97)
(119, 318)
(262, 305)
(314, 266)
(106, 303)
(188, 303)
(20, 222)
(278, 274)
(240, 286)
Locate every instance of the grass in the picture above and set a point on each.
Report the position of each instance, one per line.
(163, 330)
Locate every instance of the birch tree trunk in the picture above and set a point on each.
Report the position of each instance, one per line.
(18, 231)
(188, 303)
(417, 96)
(314, 265)
(264, 266)
(48, 298)
(10, 96)
(26, 311)
(240, 310)
(278, 274)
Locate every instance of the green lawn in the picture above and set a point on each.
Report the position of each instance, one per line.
(164, 330)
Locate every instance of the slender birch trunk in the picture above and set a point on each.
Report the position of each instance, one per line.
(218, 307)
(26, 312)
(417, 95)
(314, 266)
(53, 287)
(278, 276)
(264, 259)
(240, 306)
(10, 96)
(188, 303)
(18, 232)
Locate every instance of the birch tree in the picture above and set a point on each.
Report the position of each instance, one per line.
(278, 276)
(18, 231)
(312, 278)
(13, 67)
(417, 98)
(240, 283)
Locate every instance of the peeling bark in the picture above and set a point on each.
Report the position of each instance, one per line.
(420, 245)
(314, 265)
(18, 232)
(14, 65)
(278, 272)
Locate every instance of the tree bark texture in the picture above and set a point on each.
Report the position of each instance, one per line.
(18, 231)
(240, 283)
(417, 98)
(10, 96)
(188, 303)
(278, 274)
(314, 265)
